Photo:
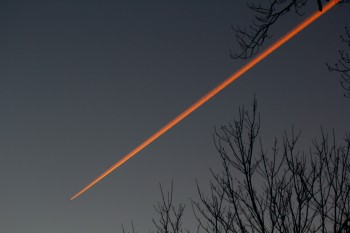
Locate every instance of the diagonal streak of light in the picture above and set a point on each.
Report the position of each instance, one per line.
(212, 93)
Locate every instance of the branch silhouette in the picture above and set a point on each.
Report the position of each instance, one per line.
(266, 15)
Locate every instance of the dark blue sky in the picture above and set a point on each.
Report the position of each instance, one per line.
(84, 82)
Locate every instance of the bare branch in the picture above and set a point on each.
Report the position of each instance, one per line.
(284, 190)
(170, 217)
(250, 40)
(342, 66)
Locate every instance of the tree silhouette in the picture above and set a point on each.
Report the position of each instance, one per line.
(282, 190)
(278, 190)
(250, 40)
(170, 217)
(343, 64)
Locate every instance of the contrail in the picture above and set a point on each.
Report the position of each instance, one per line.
(212, 93)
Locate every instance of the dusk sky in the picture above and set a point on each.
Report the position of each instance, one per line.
(84, 82)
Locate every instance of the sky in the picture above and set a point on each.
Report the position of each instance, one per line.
(84, 82)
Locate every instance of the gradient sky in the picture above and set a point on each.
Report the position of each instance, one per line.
(84, 82)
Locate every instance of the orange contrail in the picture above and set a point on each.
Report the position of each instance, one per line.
(212, 93)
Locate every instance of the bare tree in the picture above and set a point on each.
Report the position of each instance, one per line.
(282, 190)
(250, 40)
(257, 190)
(343, 64)
(132, 228)
(170, 216)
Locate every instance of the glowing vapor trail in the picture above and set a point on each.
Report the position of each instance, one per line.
(212, 93)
